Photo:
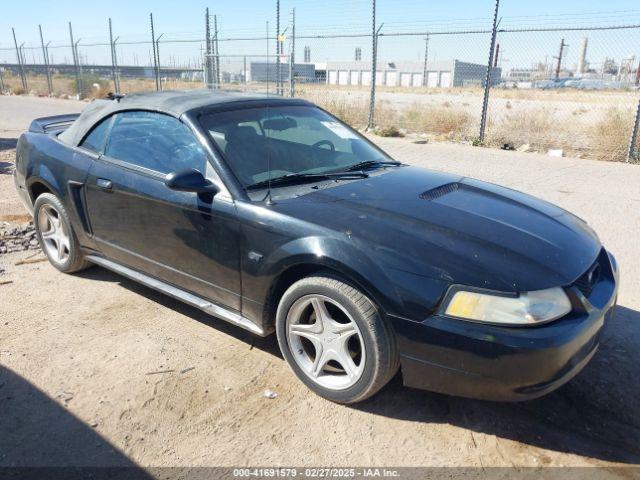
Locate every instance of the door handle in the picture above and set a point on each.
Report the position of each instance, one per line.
(104, 183)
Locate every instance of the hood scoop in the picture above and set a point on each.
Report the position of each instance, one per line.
(441, 191)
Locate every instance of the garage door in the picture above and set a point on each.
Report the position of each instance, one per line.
(343, 77)
(405, 79)
(366, 78)
(354, 77)
(432, 79)
(445, 79)
(416, 80)
(392, 79)
(333, 77)
(379, 78)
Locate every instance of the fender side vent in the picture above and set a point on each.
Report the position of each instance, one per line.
(440, 191)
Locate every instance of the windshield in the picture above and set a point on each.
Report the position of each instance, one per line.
(286, 140)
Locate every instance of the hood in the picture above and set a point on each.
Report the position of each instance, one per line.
(455, 229)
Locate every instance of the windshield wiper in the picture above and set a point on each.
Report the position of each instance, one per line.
(373, 163)
(304, 177)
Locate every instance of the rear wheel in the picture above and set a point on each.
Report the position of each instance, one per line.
(56, 236)
(335, 339)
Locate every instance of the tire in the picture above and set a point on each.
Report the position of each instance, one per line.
(56, 236)
(352, 326)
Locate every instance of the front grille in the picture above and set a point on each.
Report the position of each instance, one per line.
(588, 279)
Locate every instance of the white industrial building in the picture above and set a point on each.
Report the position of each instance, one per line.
(440, 73)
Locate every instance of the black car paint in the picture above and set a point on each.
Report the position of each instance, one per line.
(404, 236)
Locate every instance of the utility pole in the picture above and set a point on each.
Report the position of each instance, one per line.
(426, 56)
(559, 57)
(45, 57)
(487, 80)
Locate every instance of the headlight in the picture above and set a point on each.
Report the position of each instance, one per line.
(527, 308)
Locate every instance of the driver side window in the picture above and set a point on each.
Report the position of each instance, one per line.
(154, 141)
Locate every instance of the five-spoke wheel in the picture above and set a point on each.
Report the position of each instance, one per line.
(335, 339)
(55, 234)
(326, 341)
(52, 231)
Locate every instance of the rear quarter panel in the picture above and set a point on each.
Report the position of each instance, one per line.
(42, 159)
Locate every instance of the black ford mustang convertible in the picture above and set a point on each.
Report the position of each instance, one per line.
(275, 216)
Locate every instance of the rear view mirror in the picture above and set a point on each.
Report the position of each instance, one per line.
(189, 180)
(279, 124)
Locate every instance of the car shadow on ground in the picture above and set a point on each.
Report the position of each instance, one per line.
(38, 433)
(8, 143)
(266, 344)
(597, 414)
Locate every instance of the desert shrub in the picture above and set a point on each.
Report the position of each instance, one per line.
(389, 131)
(87, 86)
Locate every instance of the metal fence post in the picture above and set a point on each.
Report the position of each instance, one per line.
(374, 66)
(632, 154)
(46, 62)
(23, 79)
(158, 56)
(155, 58)
(278, 80)
(487, 81)
(292, 56)
(114, 68)
(426, 56)
(207, 56)
(244, 74)
(216, 57)
(79, 65)
(267, 57)
(74, 54)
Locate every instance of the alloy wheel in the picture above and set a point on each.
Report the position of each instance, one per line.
(325, 341)
(54, 236)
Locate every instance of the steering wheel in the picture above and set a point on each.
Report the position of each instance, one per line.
(332, 147)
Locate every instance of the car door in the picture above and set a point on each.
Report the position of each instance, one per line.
(187, 239)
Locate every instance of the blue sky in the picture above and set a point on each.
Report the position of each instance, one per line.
(185, 21)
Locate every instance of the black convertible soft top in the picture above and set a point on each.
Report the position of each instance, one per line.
(171, 102)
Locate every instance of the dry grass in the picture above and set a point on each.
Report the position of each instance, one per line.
(536, 128)
(610, 136)
(579, 122)
(446, 122)
(603, 138)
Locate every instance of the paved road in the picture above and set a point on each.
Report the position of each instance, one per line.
(16, 112)
(75, 371)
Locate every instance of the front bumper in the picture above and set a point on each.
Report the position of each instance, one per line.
(490, 362)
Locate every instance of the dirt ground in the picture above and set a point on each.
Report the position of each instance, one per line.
(96, 370)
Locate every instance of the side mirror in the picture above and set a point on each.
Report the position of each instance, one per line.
(189, 180)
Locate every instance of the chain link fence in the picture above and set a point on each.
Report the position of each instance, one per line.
(567, 89)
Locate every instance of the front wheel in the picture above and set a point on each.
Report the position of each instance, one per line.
(335, 339)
